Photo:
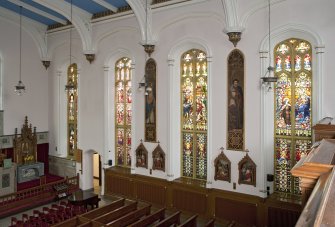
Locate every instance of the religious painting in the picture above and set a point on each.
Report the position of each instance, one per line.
(141, 156)
(123, 111)
(235, 102)
(150, 101)
(5, 180)
(222, 167)
(247, 171)
(158, 157)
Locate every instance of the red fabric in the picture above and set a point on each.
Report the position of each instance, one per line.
(29, 184)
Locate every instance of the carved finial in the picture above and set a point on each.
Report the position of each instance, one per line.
(158, 142)
(26, 120)
(46, 64)
(148, 48)
(221, 149)
(141, 141)
(90, 57)
(246, 151)
(234, 37)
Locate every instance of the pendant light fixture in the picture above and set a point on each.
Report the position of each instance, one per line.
(269, 77)
(148, 48)
(70, 86)
(20, 88)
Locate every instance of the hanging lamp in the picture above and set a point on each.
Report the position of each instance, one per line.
(269, 76)
(20, 88)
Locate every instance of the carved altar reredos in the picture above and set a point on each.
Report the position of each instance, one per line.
(25, 146)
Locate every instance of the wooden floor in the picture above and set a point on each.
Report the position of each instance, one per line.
(108, 199)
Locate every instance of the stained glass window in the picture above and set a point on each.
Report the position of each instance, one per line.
(72, 109)
(293, 114)
(123, 111)
(194, 114)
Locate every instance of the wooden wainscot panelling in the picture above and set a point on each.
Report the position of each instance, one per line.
(282, 211)
(190, 195)
(190, 201)
(151, 191)
(117, 182)
(278, 217)
(232, 210)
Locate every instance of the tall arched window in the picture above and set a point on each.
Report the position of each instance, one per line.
(194, 114)
(72, 108)
(293, 115)
(123, 111)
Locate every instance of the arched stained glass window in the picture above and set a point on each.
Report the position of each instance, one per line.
(293, 114)
(123, 111)
(194, 114)
(72, 108)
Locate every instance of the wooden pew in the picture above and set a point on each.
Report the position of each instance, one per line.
(103, 210)
(210, 223)
(131, 217)
(92, 224)
(73, 222)
(190, 222)
(113, 215)
(174, 219)
(232, 224)
(148, 220)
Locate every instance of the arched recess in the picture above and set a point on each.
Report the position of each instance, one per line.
(174, 146)
(267, 98)
(59, 129)
(114, 32)
(109, 108)
(35, 30)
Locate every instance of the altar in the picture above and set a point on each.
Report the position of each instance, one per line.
(30, 172)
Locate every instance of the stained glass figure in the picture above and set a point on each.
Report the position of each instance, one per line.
(235, 108)
(307, 62)
(293, 113)
(72, 109)
(297, 63)
(123, 112)
(194, 114)
(288, 63)
(278, 64)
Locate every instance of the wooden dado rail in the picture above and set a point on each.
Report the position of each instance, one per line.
(25, 199)
(193, 197)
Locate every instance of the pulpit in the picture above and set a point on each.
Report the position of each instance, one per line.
(317, 175)
(324, 129)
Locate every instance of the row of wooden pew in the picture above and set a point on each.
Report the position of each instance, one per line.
(48, 216)
(118, 214)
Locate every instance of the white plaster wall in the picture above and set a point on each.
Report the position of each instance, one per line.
(197, 23)
(34, 103)
(201, 22)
